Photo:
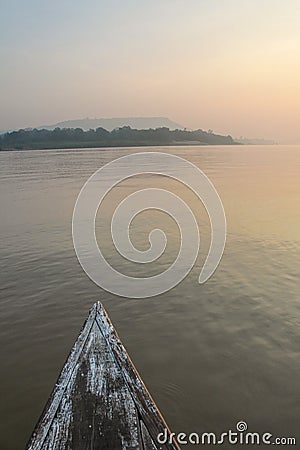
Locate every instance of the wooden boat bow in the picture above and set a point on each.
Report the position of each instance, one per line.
(100, 400)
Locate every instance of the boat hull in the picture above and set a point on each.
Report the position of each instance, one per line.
(99, 400)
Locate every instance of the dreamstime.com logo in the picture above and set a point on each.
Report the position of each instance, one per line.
(101, 183)
(239, 436)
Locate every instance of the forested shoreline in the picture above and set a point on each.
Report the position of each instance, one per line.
(31, 139)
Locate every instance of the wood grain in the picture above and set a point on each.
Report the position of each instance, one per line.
(99, 400)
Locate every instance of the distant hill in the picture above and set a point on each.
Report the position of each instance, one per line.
(255, 141)
(138, 123)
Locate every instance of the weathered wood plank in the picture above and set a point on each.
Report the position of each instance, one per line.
(99, 401)
(146, 438)
(46, 419)
(145, 404)
(97, 410)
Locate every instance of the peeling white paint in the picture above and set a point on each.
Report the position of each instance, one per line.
(99, 400)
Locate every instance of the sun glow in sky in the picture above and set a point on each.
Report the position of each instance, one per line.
(232, 66)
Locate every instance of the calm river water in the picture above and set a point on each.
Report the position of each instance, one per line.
(211, 354)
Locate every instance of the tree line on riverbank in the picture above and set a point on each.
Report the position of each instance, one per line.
(119, 137)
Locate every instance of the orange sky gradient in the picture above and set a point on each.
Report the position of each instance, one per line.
(230, 66)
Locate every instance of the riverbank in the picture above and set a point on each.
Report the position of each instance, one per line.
(65, 138)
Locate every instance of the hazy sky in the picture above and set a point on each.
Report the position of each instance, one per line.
(229, 65)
